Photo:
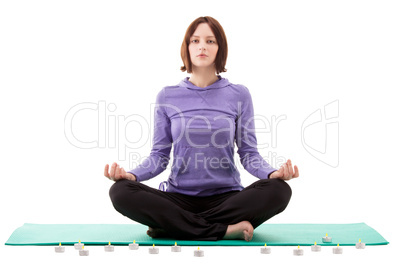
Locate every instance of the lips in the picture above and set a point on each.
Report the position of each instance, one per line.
(202, 55)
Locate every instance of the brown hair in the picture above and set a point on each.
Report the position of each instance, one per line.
(221, 55)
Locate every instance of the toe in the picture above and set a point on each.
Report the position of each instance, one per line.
(246, 235)
(149, 233)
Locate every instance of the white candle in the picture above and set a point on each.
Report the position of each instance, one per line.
(326, 239)
(176, 248)
(109, 248)
(298, 251)
(360, 245)
(59, 249)
(198, 253)
(78, 245)
(83, 252)
(315, 247)
(337, 250)
(133, 246)
(265, 250)
(153, 250)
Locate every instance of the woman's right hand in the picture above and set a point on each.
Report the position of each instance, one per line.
(118, 173)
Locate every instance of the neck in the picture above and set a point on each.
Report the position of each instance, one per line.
(203, 77)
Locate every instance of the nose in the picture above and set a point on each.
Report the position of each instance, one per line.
(202, 46)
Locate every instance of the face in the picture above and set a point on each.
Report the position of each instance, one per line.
(203, 41)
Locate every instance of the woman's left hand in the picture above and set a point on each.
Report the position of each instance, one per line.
(285, 172)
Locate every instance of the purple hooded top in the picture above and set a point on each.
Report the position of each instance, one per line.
(202, 125)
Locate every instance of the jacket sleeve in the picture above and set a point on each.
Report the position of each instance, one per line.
(246, 140)
(159, 157)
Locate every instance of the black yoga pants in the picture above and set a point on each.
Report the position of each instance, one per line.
(186, 217)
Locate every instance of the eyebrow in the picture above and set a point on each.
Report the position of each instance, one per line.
(198, 36)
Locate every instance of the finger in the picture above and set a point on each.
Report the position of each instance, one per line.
(113, 171)
(117, 172)
(121, 173)
(285, 171)
(106, 172)
(290, 169)
(296, 172)
(291, 173)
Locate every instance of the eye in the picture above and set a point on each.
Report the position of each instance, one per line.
(195, 40)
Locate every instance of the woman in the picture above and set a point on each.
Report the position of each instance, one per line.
(203, 116)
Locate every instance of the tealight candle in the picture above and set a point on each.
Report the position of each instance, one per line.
(315, 247)
(198, 253)
(360, 245)
(109, 248)
(265, 250)
(133, 246)
(59, 249)
(337, 250)
(326, 239)
(84, 252)
(153, 250)
(298, 251)
(176, 248)
(78, 245)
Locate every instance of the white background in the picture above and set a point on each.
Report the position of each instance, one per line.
(294, 56)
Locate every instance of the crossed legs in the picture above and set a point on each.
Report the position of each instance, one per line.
(231, 215)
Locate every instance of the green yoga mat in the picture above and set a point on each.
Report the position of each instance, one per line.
(123, 234)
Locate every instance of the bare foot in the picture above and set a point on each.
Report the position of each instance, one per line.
(242, 230)
(156, 232)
